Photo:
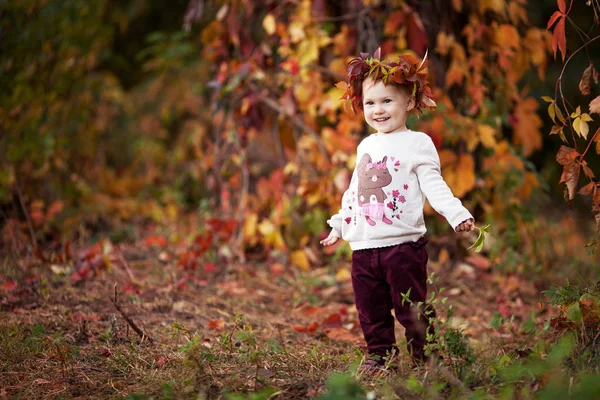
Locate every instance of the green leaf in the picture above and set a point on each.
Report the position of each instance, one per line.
(497, 321)
(529, 325)
(504, 361)
(478, 245)
(574, 313)
(479, 242)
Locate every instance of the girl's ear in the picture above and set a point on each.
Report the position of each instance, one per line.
(411, 103)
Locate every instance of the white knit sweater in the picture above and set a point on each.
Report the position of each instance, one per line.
(384, 204)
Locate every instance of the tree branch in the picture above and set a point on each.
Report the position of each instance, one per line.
(137, 330)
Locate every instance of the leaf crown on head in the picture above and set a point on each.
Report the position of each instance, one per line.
(406, 71)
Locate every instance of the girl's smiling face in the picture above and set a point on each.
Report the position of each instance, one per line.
(386, 107)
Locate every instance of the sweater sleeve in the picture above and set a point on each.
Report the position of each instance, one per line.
(435, 188)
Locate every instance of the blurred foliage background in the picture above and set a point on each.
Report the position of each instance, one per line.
(117, 116)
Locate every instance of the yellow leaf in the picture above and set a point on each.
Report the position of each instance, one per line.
(487, 135)
(296, 31)
(250, 225)
(585, 128)
(291, 168)
(556, 129)
(559, 114)
(271, 234)
(308, 50)
(576, 125)
(444, 43)
(343, 275)
(507, 37)
(586, 117)
(300, 259)
(551, 112)
(269, 23)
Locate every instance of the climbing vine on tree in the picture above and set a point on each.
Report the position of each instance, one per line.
(277, 84)
(579, 146)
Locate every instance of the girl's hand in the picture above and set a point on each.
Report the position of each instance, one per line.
(331, 239)
(466, 226)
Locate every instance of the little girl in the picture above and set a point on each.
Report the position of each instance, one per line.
(381, 215)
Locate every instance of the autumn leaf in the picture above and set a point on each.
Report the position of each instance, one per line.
(553, 110)
(580, 122)
(269, 24)
(566, 155)
(587, 189)
(595, 106)
(160, 361)
(507, 37)
(527, 124)
(487, 135)
(570, 177)
(332, 321)
(587, 170)
(343, 275)
(558, 130)
(9, 285)
(589, 74)
(156, 241)
(559, 40)
(210, 267)
(271, 234)
(300, 259)
(306, 328)
(216, 324)
(458, 171)
(393, 23)
(556, 15)
(341, 334)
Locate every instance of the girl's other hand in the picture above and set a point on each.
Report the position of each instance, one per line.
(466, 226)
(331, 239)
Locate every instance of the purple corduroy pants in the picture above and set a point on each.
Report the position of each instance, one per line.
(379, 277)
